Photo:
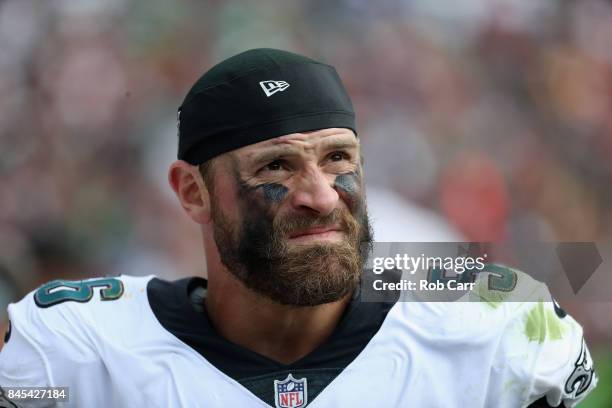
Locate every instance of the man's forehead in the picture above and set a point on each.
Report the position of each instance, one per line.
(317, 138)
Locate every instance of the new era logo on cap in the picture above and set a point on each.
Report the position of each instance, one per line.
(272, 87)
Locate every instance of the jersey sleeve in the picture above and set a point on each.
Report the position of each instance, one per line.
(542, 352)
(563, 372)
(22, 364)
(50, 348)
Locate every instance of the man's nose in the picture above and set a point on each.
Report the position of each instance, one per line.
(315, 193)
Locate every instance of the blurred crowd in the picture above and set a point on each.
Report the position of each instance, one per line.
(495, 114)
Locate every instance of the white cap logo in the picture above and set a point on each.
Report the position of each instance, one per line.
(272, 87)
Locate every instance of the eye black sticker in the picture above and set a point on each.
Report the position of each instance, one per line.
(274, 192)
(347, 182)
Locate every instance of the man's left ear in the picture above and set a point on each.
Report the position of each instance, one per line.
(189, 187)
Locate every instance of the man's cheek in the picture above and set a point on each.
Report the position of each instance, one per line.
(258, 203)
(273, 192)
(348, 185)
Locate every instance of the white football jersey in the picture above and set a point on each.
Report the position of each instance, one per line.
(142, 342)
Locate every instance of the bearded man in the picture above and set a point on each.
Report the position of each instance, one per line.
(271, 170)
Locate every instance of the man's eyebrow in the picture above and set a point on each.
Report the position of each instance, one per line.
(339, 144)
(274, 153)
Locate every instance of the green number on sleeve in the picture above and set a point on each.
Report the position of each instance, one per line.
(60, 291)
(501, 278)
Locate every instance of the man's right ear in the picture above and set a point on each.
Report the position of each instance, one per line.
(188, 185)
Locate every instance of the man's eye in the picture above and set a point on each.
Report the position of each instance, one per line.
(274, 166)
(338, 156)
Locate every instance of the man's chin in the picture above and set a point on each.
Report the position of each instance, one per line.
(309, 274)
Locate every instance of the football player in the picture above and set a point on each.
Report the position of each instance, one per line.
(270, 169)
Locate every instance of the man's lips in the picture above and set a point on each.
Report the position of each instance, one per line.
(314, 231)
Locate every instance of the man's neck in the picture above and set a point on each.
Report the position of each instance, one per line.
(279, 332)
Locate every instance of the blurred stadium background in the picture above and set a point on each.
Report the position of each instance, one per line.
(481, 119)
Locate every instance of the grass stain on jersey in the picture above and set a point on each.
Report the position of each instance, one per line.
(543, 324)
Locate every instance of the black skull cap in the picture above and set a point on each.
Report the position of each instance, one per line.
(258, 95)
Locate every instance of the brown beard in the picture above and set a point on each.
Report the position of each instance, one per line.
(258, 254)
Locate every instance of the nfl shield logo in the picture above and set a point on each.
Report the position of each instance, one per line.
(290, 393)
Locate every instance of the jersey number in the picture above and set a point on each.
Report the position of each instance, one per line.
(60, 291)
(501, 278)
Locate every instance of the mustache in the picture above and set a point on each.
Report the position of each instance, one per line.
(284, 226)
